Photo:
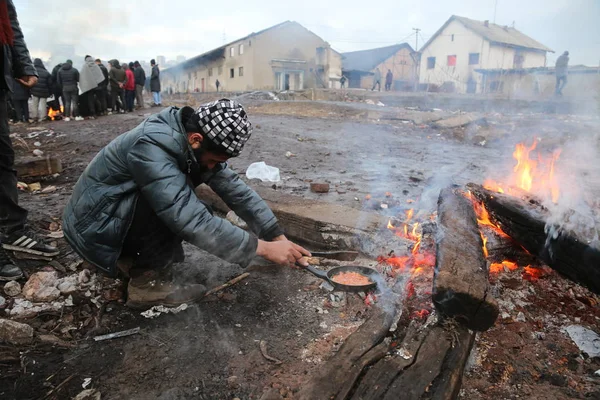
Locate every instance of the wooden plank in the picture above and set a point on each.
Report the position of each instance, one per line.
(38, 166)
(525, 220)
(461, 288)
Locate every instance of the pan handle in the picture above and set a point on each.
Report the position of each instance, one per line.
(316, 272)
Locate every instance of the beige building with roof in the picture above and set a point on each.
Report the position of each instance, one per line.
(462, 45)
(286, 56)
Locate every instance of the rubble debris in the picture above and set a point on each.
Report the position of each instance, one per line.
(55, 341)
(68, 285)
(15, 332)
(115, 335)
(319, 187)
(263, 351)
(12, 288)
(34, 187)
(457, 121)
(49, 189)
(24, 308)
(89, 394)
(38, 166)
(587, 340)
(157, 310)
(41, 287)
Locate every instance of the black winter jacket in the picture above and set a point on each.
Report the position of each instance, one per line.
(155, 79)
(140, 76)
(68, 78)
(43, 87)
(153, 160)
(104, 83)
(16, 59)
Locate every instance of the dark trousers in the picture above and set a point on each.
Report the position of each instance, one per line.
(22, 109)
(116, 93)
(91, 102)
(388, 86)
(12, 216)
(561, 81)
(129, 99)
(378, 84)
(71, 103)
(102, 95)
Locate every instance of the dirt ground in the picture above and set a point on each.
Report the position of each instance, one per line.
(211, 350)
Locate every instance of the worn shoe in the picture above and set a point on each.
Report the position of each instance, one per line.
(67, 119)
(147, 291)
(27, 241)
(8, 270)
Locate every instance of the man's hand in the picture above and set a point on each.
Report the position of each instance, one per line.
(282, 252)
(28, 81)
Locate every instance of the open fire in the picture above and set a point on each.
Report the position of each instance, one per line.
(54, 114)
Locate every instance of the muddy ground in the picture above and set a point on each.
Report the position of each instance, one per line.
(211, 350)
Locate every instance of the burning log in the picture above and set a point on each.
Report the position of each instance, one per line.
(36, 166)
(461, 288)
(525, 220)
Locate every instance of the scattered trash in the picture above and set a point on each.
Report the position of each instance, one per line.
(115, 335)
(157, 310)
(262, 171)
(56, 235)
(263, 351)
(384, 206)
(587, 340)
(86, 382)
(38, 153)
(49, 189)
(289, 154)
(12, 288)
(22, 186)
(402, 352)
(37, 144)
(34, 187)
(380, 104)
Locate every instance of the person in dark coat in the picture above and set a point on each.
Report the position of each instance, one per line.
(41, 91)
(103, 88)
(561, 70)
(68, 79)
(135, 202)
(56, 89)
(155, 83)
(389, 79)
(16, 62)
(140, 81)
(117, 78)
(217, 84)
(20, 99)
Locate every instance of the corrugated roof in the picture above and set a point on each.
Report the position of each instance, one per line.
(366, 60)
(495, 34)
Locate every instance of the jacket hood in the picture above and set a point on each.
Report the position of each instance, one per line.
(89, 59)
(38, 63)
(67, 66)
(115, 64)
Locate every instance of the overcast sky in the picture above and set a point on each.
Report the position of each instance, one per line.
(141, 30)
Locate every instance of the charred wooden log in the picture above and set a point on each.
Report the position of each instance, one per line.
(525, 220)
(36, 166)
(461, 288)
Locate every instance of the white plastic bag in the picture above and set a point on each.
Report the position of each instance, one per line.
(262, 171)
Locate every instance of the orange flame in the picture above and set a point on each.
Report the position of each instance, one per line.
(533, 274)
(52, 113)
(496, 268)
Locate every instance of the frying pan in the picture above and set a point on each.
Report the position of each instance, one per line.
(370, 273)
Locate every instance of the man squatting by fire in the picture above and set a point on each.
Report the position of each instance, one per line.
(135, 203)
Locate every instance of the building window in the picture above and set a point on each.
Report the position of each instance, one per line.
(231, 73)
(473, 58)
(220, 70)
(452, 37)
(518, 60)
(232, 52)
(430, 62)
(452, 61)
(210, 72)
(241, 49)
(241, 71)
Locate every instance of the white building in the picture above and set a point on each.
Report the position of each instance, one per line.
(462, 45)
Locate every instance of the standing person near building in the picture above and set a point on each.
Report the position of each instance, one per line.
(140, 81)
(389, 78)
(343, 82)
(155, 83)
(20, 100)
(56, 88)
(16, 235)
(117, 77)
(561, 69)
(377, 80)
(68, 79)
(129, 87)
(90, 78)
(217, 84)
(41, 91)
(103, 88)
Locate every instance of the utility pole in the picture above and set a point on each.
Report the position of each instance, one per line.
(417, 30)
(495, 8)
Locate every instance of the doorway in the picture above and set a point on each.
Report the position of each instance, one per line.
(202, 81)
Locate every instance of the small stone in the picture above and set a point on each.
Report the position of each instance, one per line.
(2, 302)
(232, 381)
(84, 276)
(520, 317)
(15, 332)
(319, 187)
(68, 285)
(577, 319)
(41, 287)
(12, 288)
(38, 153)
(597, 373)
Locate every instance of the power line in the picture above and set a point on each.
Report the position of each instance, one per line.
(417, 30)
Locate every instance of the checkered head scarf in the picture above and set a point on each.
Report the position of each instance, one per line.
(225, 123)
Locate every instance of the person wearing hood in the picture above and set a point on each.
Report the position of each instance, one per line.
(129, 87)
(89, 78)
(103, 88)
(41, 91)
(140, 81)
(117, 78)
(16, 235)
(56, 88)
(20, 100)
(135, 203)
(155, 83)
(68, 79)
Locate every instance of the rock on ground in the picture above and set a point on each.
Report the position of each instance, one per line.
(15, 332)
(41, 286)
(12, 288)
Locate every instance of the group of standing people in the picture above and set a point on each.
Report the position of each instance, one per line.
(101, 90)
